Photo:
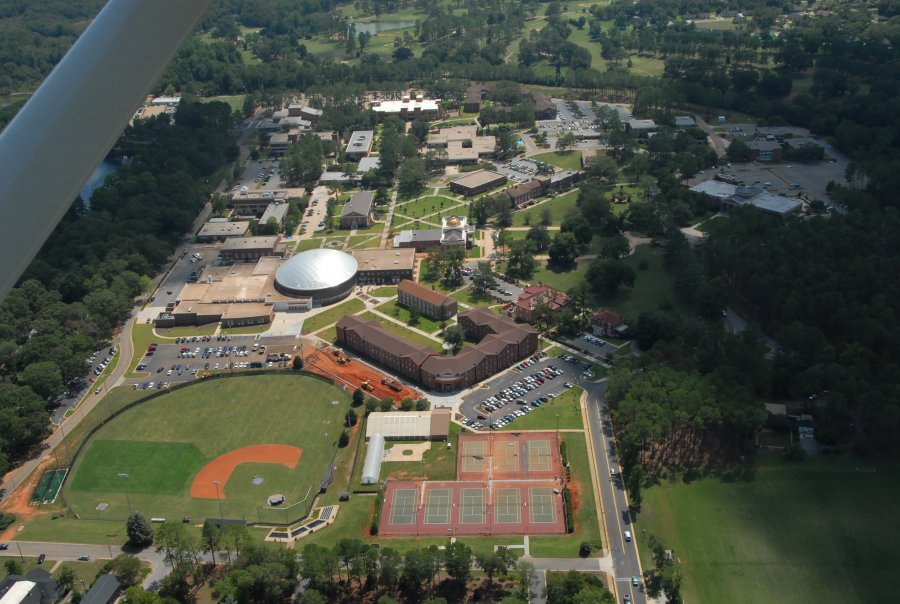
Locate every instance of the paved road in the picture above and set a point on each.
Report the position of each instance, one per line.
(71, 551)
(616, 520)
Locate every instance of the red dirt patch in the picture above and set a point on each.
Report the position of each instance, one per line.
(222, 466)
(352, 374)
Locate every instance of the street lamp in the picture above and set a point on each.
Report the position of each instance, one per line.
(125, 477)
(219, 497)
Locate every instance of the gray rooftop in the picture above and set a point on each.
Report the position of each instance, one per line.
(360, 141)
(715, 188)
(417, 235)
(775, 204)
(368, 163)
(359, 203)
(275, 210)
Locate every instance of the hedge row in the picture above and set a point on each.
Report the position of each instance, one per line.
(567, 501)
(376, 518)
(563, 453)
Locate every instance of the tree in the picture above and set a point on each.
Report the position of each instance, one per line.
(563, 250)
(451, 267)
(44, 377)
(633, 484)
(579, 227)
(458, 561)
(136, 595)
(525, 578)
(615, 247)
(739, 151)
(343, 439)
(209, 535)
(358, 397)
(127, 567)
(414, 315)
(454, 336)
(496, 563)
(607, 276)
(520, 262)
(139, 531)
(538, 238)
(351, 418)
(311, 596)
(407, 404)
(13, 567)
(565, 142)
(297, 363)
(412, 176)
(386, 404)
(371, 405)
(483, 279)
(389, 568)
(422, 404)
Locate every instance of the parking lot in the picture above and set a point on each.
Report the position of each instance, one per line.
(183, 360)
(259, 176)
(592, 344)
(530, 381)
(505, 290)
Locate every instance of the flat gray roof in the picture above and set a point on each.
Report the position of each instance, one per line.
(479, 178)
(715, 188)
(776, 204)
(224, 229)
(274, 210)
(250, 243)
(360, 141)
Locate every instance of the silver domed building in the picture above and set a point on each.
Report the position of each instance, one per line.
(324, 275)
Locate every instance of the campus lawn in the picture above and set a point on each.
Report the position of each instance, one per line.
(141, 337)
(569, 160)
(403, 332)
(245, 331)
(567, 405)
(384, 292)
(561, 279)
(308, 244)
(426, 205)
(653, 287)
(587, 527)
(559, 206)
(467, 296)
(396, 310)
(361, 242)
(179, 332)
(161, 457)
(790, 532)
(332, 315)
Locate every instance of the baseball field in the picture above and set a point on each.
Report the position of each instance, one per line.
(217, 448)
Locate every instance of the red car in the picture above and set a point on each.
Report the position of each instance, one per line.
(93, 379)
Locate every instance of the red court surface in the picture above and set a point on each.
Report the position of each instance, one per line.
(509, 456)
(500, 507)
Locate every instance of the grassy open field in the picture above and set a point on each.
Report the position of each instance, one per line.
(403, 332)
(820, 531)
(652, 286)
(559, 206)
(308, 244)
(427, 205)
(570, 160)
(566, 405)
(162, 445)
(401, 313)
(384, 292)
(326, 318)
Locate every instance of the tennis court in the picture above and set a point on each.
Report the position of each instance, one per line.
(541, 504)
(473, 456)
(538, 455)
(507, 506)
(472, 506)
(403, 507)
(506, 457)
(437, 506)
(511, 455)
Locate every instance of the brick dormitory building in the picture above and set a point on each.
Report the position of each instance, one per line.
(501, 343)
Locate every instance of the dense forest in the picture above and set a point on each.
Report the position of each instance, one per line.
(84, 280)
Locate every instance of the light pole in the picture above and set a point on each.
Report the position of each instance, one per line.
(219, 497)
(125, 477)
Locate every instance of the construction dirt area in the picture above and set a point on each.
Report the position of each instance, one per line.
(322, 358)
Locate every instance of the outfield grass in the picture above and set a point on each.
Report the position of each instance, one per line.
(816, 531)
(401, 313)
(161, 457)
(566, 405)
(332, 315)
(570, 160)
(403, 332)
(560, 206)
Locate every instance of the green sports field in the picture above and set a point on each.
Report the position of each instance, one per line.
(821, 531)
(149, 455)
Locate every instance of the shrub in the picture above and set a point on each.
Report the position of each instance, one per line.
(422, 405)
(376, 517)
(344, 439)
(585, 549)
(563, 454)
(6, 520)
(567, 501)
(351, 418)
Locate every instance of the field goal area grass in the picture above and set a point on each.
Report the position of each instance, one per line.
(48, 487)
